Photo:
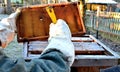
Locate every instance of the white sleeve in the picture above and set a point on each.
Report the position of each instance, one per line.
(7, 29)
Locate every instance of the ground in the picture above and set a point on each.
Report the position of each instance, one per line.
(111, 44)
(107, 39)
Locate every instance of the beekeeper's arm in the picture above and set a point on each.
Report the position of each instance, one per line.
(57, 57)
(7, 28)
(51, 61)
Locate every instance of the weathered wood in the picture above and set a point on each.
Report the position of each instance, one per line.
(36, 47)
(25, 49)
(88, 69)
(82, 39)
(87, 53)
(33, 22)
(95, 60)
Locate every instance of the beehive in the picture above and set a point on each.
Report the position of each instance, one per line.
(33, 30)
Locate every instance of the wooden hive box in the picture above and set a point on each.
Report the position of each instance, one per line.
(33, 30)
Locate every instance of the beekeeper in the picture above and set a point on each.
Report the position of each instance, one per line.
(57, 57)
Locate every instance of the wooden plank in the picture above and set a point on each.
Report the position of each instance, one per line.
(82, 39)
(87, 46)
(25, 49)
(94, 57)
(37, 46)
(87, 60)
(32, 56)
(95, 61)
(88, 69)
(80, 47)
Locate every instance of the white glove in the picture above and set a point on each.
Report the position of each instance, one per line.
(7, 28)
(60, 39)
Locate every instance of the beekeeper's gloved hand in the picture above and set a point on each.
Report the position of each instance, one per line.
(8, 27)
(60, 39)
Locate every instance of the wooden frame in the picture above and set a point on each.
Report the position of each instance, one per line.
(109, 58)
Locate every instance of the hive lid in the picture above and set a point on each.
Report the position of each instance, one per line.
(33, 21)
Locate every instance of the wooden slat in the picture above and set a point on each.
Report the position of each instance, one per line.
(25, 49)
(80, 47)
(95, 60)
(88, 48)
(94, 57)
(88, 69)
(82, 39)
